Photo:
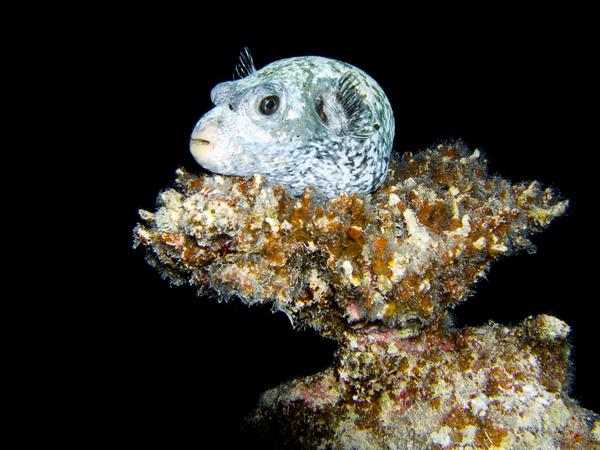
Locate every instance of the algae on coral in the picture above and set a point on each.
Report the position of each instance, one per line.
(378, 273)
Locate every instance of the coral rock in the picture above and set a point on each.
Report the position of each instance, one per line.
(478, 388)
(398, 257)
(379, 273)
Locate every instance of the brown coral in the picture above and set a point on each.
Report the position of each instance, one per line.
(378, 273)
(396, 258)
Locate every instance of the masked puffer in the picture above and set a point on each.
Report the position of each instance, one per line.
(301, 122)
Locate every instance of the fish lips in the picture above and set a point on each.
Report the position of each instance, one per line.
(213, 151)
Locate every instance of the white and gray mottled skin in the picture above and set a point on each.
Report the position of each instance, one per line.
(332, 129)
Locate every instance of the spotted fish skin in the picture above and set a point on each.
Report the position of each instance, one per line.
(332, 127)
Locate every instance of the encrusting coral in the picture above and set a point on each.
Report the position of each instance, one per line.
(477, 388)
(397, 257)
(378, 273)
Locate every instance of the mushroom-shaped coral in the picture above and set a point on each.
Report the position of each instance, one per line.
(378, 273)
(395, 258)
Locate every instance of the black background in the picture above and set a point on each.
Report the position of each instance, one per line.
(169, 365)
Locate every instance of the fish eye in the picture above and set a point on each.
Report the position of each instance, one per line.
(269, 105)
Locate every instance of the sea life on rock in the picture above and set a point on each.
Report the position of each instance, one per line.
(304, 121)
(397, 258)
(378, 273)
(487, 387)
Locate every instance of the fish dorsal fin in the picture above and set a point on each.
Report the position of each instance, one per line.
(358, 115)
(245, 66)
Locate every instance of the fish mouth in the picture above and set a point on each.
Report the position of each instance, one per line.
(200, 141)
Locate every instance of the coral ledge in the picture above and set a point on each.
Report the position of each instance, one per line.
(378, 273)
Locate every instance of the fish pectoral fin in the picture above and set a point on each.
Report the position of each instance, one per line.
(358, 121)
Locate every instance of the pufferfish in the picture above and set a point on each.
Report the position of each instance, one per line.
(301, 122)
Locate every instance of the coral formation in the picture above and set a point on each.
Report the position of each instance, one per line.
(378, 273)
(479, 388)
(397, 257)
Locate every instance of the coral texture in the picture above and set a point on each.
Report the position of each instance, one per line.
(378, 273)
(478, 388)
(398, 257)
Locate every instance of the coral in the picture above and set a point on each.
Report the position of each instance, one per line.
(398, 257)
(379, 273)
(479, 388)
